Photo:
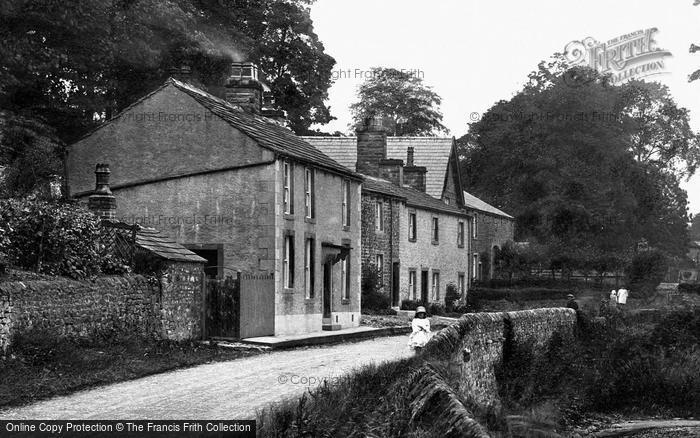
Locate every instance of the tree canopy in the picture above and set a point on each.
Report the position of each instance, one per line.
(695, 227)
(585, 167)
(67, 65)
(402, 98)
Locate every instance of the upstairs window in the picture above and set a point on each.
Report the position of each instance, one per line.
(380, 216)
(436, 230)
(474, 226)
(412, 227)
(309, 193)
(460, 234)
(346, 203)
(380, 265)
(288, 188)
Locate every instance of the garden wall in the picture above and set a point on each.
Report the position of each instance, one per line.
(486, 336)
(169, 308)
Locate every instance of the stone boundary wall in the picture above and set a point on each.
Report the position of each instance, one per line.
(166, 309)
(473, 347)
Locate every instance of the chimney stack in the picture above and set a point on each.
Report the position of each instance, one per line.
(182, 73)
(102, 202)
(243, 88)
(271, 111)
(371, 146)
(414, 176)
(391, 170)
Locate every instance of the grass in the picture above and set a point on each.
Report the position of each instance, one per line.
(40, 366)
(370, 402)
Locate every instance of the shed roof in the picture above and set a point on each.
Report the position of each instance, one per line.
(161, 245)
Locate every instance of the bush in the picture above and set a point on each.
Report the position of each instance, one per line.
(614, 366)
(51, 237)
(689, 288)
(411, 304)
(436, 309)
(647, 271)
(541, 282)
(372, 298)
(388, 311)
(451, 296)
(527, 294)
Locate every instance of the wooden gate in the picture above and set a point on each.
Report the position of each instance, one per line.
(257, 305)
(223, 307)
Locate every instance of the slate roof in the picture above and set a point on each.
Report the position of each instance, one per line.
(161, 245)
(416, 198)
(382, 186)
(412, 197)
(431, 152)
(267, 133)
(471, 201)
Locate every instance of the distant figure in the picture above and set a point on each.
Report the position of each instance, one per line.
(571, 304)
(622, 297)
(613, 298)
(421, 330)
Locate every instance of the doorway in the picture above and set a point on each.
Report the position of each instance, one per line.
(327, 285)
(395, 273)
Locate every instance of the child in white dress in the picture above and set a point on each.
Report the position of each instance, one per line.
(421, 330)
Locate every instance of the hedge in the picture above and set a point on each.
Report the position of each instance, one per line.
(525, 294)
(689, 288)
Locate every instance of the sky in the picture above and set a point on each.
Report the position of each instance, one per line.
(475, 53)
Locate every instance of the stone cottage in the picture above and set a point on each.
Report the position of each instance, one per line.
(491, 229)
(426, 197)
(238, 189)
(414, 228)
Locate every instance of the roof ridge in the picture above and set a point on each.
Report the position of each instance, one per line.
(267, 133)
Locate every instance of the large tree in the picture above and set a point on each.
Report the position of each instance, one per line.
(403, 98)
(567, 156)
(67, 65)
(695, 227)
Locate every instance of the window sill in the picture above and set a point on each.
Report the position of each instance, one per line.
(344, 301)
(309, 300)
(289, 216)
(288, 290)
(460, 246)
(412, 240)
(435, 242)
(310, 220)
(346, 227)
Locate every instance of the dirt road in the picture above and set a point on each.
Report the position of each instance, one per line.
(224, 390)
